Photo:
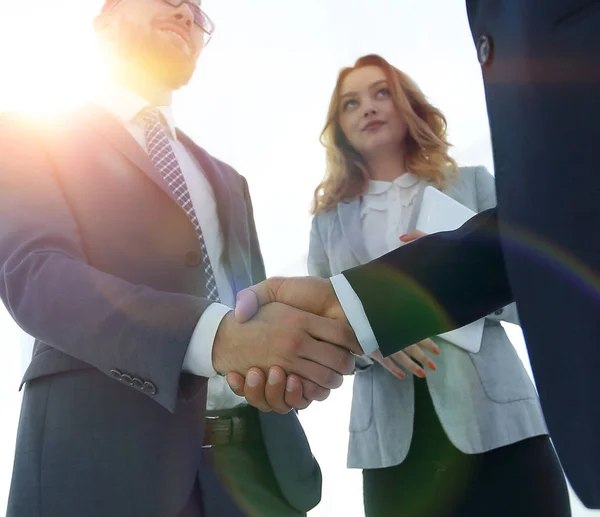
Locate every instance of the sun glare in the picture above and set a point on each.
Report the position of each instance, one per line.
(48, 56)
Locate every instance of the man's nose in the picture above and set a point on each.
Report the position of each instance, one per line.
(183, 14)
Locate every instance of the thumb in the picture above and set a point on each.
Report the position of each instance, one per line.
(250, 300)
(246, 305)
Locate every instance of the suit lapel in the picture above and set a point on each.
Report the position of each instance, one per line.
(349, 216)
(113, 131)
(230, 213)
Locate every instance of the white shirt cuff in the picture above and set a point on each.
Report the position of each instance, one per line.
(198, 358)
(353, 308)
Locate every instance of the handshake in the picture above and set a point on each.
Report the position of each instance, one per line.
(289, 343)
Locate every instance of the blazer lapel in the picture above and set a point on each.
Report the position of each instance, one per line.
(229, 212)
(349, 216)
(113, 131)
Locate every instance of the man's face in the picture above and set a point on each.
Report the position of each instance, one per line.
(161, 39)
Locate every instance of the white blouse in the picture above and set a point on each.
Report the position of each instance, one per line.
(386, 208)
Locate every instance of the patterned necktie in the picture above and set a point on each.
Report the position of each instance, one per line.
(163, 157)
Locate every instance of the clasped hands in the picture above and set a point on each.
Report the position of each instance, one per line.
(296, 330)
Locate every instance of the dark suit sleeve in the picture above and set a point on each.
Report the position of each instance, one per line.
(56, 296)
(433, 285)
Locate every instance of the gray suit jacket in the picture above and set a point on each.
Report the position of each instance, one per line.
(100, 264)
(483, 400)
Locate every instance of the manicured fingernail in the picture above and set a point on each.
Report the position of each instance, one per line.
(402, 236)
(401, 376)
(290, 385)
(431, 366)
(436, 351)
(274, 377)
(253, 379)
(421, 373)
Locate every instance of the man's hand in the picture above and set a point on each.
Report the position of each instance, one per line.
(310, 294)
(279, 392)
(312, 347)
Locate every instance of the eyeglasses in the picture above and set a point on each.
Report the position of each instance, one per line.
(200, 17)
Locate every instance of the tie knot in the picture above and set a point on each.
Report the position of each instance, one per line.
(155, 121)
(151, 116)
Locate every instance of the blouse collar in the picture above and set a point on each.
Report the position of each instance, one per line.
(376, 187)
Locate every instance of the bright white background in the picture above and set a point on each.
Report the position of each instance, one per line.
(258, 101)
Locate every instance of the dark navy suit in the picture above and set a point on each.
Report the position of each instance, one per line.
(541, 248)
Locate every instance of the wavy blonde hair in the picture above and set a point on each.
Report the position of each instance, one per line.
(347, 175)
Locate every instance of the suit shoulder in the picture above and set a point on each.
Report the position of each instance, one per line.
(229, 168)
(470, 173)
(472, 170)
(225, 168)
(325, 216)
(25, 127)
(324, 219)
(218, 162)
(15, 124)
(20, 140)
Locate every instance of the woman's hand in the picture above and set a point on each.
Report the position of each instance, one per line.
(405, 358)
(417, 351)
(412, 236)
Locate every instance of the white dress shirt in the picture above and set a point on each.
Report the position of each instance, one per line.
(126, 106)
(386, 208)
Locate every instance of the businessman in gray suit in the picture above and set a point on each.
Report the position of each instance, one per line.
(122, 246)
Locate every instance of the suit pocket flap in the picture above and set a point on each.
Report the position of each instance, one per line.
(50, 362)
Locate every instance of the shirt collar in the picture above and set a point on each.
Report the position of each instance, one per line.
(125, 105)
(376, 188)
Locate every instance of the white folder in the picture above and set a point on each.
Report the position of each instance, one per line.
(436, 212)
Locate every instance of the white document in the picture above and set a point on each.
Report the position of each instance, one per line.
(437, 212)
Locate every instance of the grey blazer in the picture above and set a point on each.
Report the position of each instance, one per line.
(484, 400)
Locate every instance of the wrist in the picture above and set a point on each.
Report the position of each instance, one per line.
(333, 308)
(220, 354)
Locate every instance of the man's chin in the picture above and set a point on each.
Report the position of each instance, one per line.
(172, 74)
(175, 81)
(167, 68)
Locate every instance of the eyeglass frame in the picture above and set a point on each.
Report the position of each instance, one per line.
(197, 12)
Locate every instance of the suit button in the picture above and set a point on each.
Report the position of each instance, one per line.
(127, 379)
(192, 259)
(149, 387)
(116, 374)
(499, 312)
(138, 383)
(484, 50)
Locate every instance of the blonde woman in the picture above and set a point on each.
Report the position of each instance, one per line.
(470, 439)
